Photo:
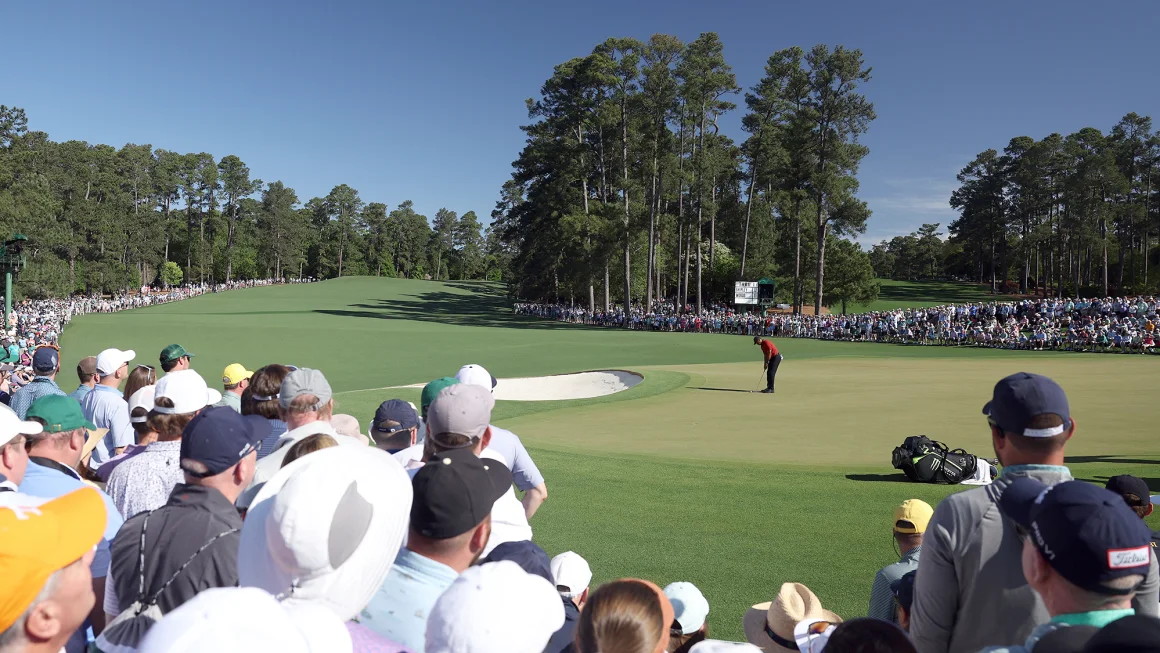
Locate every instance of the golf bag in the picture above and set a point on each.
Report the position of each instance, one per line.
(927, 461)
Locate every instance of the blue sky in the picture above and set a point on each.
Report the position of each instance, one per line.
(423, 100)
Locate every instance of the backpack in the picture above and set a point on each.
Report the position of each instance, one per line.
(125, 633)
(928, 461)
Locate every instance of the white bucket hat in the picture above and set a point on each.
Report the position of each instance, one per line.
(246, 619)
(326, 528)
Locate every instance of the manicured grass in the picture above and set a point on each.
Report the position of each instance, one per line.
(687, 476)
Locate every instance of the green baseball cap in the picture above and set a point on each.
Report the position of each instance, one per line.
(432, 390)
(60, 414)
(172, 353)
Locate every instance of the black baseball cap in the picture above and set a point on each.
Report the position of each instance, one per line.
(525, 553)
(220, 437)
(394, 415)
(454, 492)
(1087, 534)
(1021, 397)
(1127, 484)
(1132, 634)
(903, 590)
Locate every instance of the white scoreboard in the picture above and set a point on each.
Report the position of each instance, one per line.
(745, 292)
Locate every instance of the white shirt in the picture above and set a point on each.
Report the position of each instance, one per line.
(509, 522)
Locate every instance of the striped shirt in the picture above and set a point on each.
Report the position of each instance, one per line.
(22, 399)
(145, 481)
(881, 598)
(107, 409)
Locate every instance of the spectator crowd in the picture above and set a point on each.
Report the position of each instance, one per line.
(160, 514)
(1111, 325)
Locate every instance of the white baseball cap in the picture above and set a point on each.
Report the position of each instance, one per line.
(476, 375)
(188, 392)
(721, 646)
(495, 608)
(326, 528)
(111, 360)
(571, 574)
(246, 619)
(11, 426)
(690, 609)
(143, 398)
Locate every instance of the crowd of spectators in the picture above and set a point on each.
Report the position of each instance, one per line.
(155, 513)
(1112, 325)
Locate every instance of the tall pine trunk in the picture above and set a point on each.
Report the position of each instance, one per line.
(748, 213)
(700, 159)
(627, 214)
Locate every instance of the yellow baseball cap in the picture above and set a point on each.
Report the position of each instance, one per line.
(912, 516)
(235, 374)
(37, 541)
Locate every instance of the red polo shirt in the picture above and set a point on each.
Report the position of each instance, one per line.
(769, 349)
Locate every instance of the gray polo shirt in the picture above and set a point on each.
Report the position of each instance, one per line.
(970, 592)
(193, 516)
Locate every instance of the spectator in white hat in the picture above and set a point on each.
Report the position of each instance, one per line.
(495, 608)
(105, 407)
(246, 620)
(325, 529)
(143, 482)
(140, 405)
(458, 419)
(306, 405)
(572, 576)
(690, 616)
(13, 455)
(525, 474)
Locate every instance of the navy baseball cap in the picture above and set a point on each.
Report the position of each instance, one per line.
(527, 554)
(219, 438)
(395, 415)
(1087, 534)
(45, 359)
(903, 590)
(1022, 397)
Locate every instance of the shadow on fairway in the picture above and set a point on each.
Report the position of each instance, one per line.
(724, 389)
(879, 478)
(1112, 459)
(483, 307)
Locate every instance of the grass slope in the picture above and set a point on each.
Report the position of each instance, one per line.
(670, 480)
(916, 294)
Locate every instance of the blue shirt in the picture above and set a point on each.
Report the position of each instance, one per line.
(270, 442)
(881, 597)
(22, 399)
(525, 474)
(80, 392)
(107, 409)
(400, 608)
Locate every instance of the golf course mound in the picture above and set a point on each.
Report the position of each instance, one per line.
(559, 387)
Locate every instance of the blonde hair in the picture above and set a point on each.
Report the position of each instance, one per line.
(621, 617)
(308, 445)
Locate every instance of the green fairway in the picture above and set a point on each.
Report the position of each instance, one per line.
(687, 476)
(916, 294)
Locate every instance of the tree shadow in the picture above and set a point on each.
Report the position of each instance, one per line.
(880, 478)
(482, 306)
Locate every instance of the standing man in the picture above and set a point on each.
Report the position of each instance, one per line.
(772, 361)
(87, 373)
(235, 380)
(910, 522)
(106, 408)
(970, 591)
(174, 358)
(45, 363)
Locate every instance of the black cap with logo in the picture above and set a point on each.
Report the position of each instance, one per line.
(454, 492)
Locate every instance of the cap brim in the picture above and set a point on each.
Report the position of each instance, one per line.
(93, 437)
(84, 512)
(212, 396)
(1018, 499)
(260, 428)
(987, 409)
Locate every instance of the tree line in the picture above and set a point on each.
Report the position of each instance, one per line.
(1064, 215)
(102, 219)
(626, 175)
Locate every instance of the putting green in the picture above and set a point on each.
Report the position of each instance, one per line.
(688, 475)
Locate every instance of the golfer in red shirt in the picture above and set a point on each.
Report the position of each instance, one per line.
(772, 360)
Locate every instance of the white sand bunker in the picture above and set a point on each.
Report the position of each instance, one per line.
(582, 385)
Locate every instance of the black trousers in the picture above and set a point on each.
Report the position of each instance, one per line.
(771, 371)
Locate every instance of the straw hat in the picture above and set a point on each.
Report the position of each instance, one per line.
(795, 602)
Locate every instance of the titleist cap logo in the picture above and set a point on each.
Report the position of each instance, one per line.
(1128, 558)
